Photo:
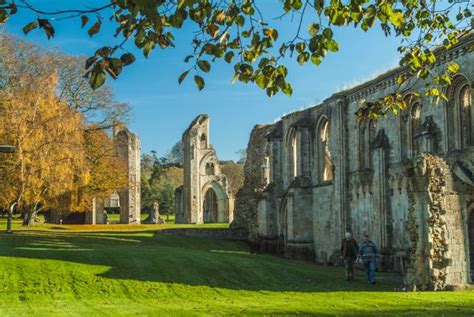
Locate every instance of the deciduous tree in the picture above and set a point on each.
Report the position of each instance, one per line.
(48, 136)
(244, 34)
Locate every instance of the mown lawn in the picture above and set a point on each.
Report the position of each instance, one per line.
(109, 271)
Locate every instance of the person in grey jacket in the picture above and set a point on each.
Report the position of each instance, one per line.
(368, 253)
(349, 251)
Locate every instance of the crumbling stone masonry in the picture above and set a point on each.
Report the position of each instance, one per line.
(205, 196)
(129, 149)
(405, 180)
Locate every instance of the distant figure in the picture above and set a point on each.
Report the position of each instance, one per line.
(106, 217)
(349, 251)
(368, 253)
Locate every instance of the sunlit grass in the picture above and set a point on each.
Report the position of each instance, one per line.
(110, 271)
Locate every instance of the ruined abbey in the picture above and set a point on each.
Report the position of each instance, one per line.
(205, 196)
(127, 200)
(405, 180)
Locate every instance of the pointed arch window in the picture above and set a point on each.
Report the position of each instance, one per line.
(324, 162)
(414, 126)
(459, 115)
(293, 153)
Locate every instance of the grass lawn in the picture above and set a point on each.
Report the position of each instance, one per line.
(110, 271)
(115, 218)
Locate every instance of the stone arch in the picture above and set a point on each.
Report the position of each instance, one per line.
(293, 154)
(208, 164)
(413, 127)
(323, 156)
(459, 115)
(214, 203)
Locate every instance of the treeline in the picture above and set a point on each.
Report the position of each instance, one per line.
(159, 179)
(64, 155)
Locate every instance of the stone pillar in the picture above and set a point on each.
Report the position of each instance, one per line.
(341, 166)
(129, 149)
(382, 214)
(304, 155)
(96, 215)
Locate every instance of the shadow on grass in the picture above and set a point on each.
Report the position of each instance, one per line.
(148, 256)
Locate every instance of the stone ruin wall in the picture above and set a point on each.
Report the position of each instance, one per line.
(437, 244)
(300, 214)
(247, 198)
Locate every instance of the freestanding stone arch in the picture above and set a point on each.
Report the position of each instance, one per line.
(215, 203)
(205, 195)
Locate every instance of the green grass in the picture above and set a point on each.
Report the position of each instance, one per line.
(68, 271)
(115, 218)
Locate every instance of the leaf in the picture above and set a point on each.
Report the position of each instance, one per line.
(453, 68)
(90, 61)
(30, 26)
(84, 20)
(327, 33)
(397, 18)
(97, 77)
(303, 58)
(127, 59)
(332, 45)
(205, 66)
(316, 59)
(188, 58)
(288, 90)
(262, 81)
(115, 67)
(271, 33)
(213, 30)
(313, 29)
(183, 76)
(228, 57)
(94, 29)
(199, 82)
(47, 27)
(148, 47)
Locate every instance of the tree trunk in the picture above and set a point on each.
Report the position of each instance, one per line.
(30, 216)
(10, 216)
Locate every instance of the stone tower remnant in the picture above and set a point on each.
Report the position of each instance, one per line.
(129, 149)
(205, 196)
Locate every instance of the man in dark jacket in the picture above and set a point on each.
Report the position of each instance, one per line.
(349, 250)
(368, 253)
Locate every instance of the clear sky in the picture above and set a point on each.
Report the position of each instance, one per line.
(162, 109)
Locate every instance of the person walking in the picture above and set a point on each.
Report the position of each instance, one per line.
(349, 251)
(368, 253)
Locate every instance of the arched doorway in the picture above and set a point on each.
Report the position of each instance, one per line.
(210, 206)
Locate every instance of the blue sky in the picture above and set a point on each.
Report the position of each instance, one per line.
(162, 109)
